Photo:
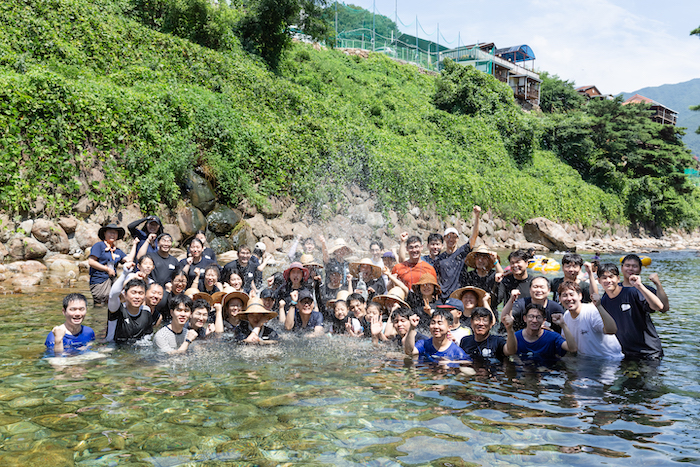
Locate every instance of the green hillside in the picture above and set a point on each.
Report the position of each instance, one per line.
(679, 97)
(88, 86)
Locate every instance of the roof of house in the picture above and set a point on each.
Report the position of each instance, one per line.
(639, 99)
(517, 53)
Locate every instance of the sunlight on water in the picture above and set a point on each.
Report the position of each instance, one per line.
(339, 401)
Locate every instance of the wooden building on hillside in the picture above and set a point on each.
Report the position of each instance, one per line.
(592, 92)
(662, 114)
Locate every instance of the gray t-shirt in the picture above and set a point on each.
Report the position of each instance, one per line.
(167, 340)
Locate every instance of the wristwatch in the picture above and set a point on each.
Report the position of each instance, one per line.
(187, 340)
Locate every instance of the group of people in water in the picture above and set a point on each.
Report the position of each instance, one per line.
(442, 306)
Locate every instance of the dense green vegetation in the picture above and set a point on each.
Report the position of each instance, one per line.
(354, 22)
(88, 86)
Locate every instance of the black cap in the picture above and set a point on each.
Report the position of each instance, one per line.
(304, 293)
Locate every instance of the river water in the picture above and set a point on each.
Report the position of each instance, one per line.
(338, 401)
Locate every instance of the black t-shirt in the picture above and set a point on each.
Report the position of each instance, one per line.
(243, 330)
(510, 283)
(131, 328)
(163, 268)
(635, 330)
(249, 273)
(448, 269)
(472, 279)
(203, 263)
(489, 349)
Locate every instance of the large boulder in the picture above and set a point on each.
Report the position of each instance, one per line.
(86, 234)
(190, 220)
(26, 248)
(550, 234)
(202, 195)
(273, 208)
(68, 224)
(31, 267)
(259, 226)
(3, 252)
(52, 235)
(220, 244)
(222, 219)
(242, 235)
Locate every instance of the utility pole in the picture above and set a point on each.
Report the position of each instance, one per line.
(373, 31)
(336, 23)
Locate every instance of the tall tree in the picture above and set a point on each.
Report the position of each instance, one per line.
(558, 95)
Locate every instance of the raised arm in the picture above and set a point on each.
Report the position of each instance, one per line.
(403, 252)
(475, 230)
(134, 227)
(395, 279)
(609, 325)
(654, 301)
(114, 303)
(144, 248)
(324, 249)
(660, 292)
(132, 254)
(511, 347)
(293, 248)
(508, 307)
(570, 344)
(219, 319)
(409, 343)
(593, 284)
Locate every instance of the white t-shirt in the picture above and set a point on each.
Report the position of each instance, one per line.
(459, 333)
(591, 340)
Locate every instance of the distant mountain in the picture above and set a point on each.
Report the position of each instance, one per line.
(679, 97)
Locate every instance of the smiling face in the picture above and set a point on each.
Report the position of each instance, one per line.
(340, 310)
(401, 324)
(435, 247)
(154, 295)
(609, 281)
(235, 281)
(427, 290)
(296, 276)
(451, 240)
(469, 300)
(210, 278)
(243, 256)
(439, 326)
(483, 261)
(179, 284)
(199, 318)
(571, 271)
(366, 271)
(306, 306)
(534, 320)
(519, 267)
(309, 246)
(75, 312)
(389, 262)
(256, 319)
(481, 325)
(146, 265)
(414, 250)
(152, 227)
(570, 299)
(376, 251)
(268, 303)
(539, 288)
(630, 268)
(165, 243)
(234, 306)
(111, 236)
(196, 249)
(135, 296)
(181, 314)
(357, 308)
(333, 280)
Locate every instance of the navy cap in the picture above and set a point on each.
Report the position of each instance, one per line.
(451, 303)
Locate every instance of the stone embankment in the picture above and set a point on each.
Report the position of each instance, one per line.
(37, 251)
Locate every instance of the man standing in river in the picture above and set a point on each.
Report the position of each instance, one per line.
(410, 271)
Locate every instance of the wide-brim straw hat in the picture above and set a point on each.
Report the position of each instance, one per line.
(340, 243)
(296, 265)
(470, 260)
(231, 295)
(218, 296)
(480, 294)
(355, 269)
(191, 292)
(309, 260)
(255, 306)
(204, 296)
(396, 293)
(426, 279)
(340, 297)
(120, 231)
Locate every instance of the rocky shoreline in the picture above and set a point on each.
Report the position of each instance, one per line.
(37, 251)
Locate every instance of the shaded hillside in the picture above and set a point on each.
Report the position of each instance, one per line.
(679, 97)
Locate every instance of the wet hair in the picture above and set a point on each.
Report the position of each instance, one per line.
(200, 303)
(413, 239)
(178, 272)
(355, 296)
(375, 305)
(278, 280)
(549, 284)
(258, 252)
(144, 258)
(154, 284)
(307, 240)
(482, 312)
(535, 306)
(245, 247)
(179, 299)
(634, 258)
(213, 267)
(596, 265)
(520, 254)
(446, 314)
(73, 297)
(608, 268)
(376, 242)
(572, 258)
(135, 283)
(163, 235)
(403, 312)
(569, 285)
(434, 237)
(227, 275)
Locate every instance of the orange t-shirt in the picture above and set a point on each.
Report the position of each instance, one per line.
(410, 273)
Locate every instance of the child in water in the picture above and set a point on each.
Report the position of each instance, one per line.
(343, 322)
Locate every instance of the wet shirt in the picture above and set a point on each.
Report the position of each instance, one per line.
(448, 269)
(427, 351)
(243, 330)
(72, 343)
(472, 279)
(488, 349)
(191, 275)
(521, 304)
(130, 328)
(163, 268)
(635, 330)
(316, 319)
(588, 331)
(409, 273)
(585, 289)
(104, 257)
(547, 347)
(510, 283)
(167, 340)
(249, 273)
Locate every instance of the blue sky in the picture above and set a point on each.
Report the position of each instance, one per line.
(618, 45)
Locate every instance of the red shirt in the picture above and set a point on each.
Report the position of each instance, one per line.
(410, 273)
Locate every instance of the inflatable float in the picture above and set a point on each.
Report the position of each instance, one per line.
(543, 264)
(646, 261)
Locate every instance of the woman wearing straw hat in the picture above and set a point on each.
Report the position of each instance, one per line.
(103, 260)
(423, 298)
(485, 266)
(295, 276)
(371, 276)
(251, 328)
(471, 298)
(232, 304)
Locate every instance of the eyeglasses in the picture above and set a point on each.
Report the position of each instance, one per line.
(535, 317)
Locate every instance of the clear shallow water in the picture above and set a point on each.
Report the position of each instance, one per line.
(342, 402)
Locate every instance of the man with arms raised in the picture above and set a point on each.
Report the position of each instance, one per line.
(131, 320)
(591, 326)
(164, 264)
(410, 271)
(536, 342)
(631, 308)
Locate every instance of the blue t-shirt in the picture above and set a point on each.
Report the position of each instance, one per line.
(98, 250)
(72, 343)
(547, 347)
(316, 319)
(427, 351)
